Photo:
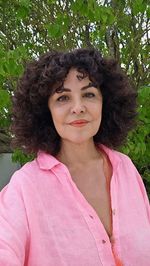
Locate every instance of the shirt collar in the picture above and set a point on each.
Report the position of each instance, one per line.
(46, 161)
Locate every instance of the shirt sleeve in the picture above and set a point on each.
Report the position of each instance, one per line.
(13, 226)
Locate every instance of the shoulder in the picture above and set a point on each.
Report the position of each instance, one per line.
(126, 173)
(28, 170)
(123, 168)
(35, 171)
(127, 176)
(123, 159)
(119, 159)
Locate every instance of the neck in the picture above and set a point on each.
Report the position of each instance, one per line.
(78, 154)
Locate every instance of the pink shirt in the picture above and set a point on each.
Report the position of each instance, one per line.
(46, 221)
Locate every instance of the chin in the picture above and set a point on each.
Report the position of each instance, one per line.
(79, 140)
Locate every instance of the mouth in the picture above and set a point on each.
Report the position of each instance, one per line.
(78, 123)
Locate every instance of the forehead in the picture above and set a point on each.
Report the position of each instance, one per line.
(73, 80)
(75, 76)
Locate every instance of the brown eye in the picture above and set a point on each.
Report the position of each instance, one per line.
(63, 98)
(89, 95)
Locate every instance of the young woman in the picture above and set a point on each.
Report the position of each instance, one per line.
(80, 202)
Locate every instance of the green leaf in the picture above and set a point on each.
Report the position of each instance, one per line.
(52, 1)
(105, 15)
(2, 71)
(4, 98)
(25, 3)
(148, 11)
(91, 15)
(76, 6)
(22, 12)
(54, 30)
(138, 6)
(19, 156)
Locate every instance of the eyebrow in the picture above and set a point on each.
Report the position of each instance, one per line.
(62, 89)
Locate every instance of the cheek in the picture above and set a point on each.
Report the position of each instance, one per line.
(97, 111)
(58, 117)
(53, 110)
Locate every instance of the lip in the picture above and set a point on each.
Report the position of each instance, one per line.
(78, 123)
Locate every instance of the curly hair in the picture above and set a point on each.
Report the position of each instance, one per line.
(32, 124)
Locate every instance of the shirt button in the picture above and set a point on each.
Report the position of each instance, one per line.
(91, 216)
(103, 241)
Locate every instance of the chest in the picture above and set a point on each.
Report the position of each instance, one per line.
(95, 190)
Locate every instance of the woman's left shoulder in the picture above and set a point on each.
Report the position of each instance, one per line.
(129, 176)
(123, 166)
(124, 158)
(126, 165)
(118, 158)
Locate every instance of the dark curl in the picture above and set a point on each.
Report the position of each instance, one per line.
(32, 123)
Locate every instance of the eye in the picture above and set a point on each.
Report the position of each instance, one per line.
(89, 95)
(63, 98)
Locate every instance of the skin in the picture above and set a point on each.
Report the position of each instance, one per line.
(79, 100)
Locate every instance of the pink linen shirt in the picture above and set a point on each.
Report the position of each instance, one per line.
(46, 221)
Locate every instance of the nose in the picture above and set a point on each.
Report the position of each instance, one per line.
(78, 107)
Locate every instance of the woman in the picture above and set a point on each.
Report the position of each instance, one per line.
(80, 202)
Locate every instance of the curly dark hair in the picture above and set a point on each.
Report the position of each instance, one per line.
(32, 123)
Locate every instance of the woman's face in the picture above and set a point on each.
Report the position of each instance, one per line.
(76, 109)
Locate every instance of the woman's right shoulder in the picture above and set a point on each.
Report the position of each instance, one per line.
(31, 172)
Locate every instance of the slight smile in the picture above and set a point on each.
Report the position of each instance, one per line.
(79, 123)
